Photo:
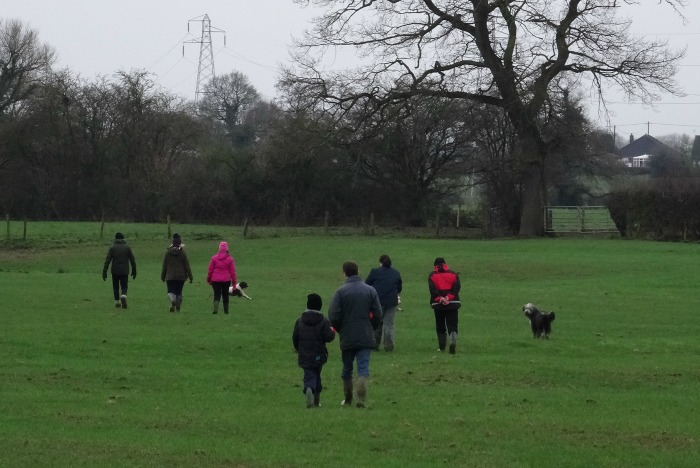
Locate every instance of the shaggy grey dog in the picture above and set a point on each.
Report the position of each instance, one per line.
(540, 321)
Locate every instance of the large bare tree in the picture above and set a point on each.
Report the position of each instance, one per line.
(23, 61)
(504, 53)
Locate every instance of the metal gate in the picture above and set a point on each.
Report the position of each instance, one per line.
(578, 219)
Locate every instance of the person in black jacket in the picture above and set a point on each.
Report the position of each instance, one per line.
(311, 333)
(444, 287)
(387, 282)
(120, 256)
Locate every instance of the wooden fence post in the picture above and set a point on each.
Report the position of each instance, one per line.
(437, 225)
(169, 230)
(245, 228)
(7, 219)
(371, 224)
(459, 208)
(326, 221)
(24, 230)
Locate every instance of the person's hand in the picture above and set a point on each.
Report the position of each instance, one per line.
(190, 280)
(104, 276)
(163, 280)
(444, 300)
(133, 275)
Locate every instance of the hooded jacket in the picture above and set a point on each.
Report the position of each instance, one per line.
(121, 256)
(311, 333)
(221, 268)
(176, 266)
(443, 283)
(349, 313)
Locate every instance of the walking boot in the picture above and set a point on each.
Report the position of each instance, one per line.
(216, 307)
(309, 397)
(317, 399)
(347, 389)
(361, 391)
(178, 303)
(226, 308)
(442, 341)
(453, 342)
(172, 298)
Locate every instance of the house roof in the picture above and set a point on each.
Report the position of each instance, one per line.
(646, 144)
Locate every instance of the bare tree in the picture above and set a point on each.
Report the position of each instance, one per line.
(22, 60)
(229, 98)
(503, 53)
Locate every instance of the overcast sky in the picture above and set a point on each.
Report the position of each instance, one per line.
(99, 37)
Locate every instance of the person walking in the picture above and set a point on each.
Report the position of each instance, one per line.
(444, 287)
(311, 333)
(221, 274)
(176, 270)
(355, 312)
(121, 257)
(387, 281)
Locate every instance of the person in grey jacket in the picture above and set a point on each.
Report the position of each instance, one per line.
(355, 312)
(120, 256)
(176, 269)
(387, 281)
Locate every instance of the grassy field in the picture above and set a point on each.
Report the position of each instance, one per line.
(85, 384)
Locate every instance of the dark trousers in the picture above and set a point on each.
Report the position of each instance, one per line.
(175, 286)
(445, 319)
(312, 379)
(117, 281)
(221, 292)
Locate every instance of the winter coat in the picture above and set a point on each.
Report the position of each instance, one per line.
(221, 269)
(444, 283)
(121, 256)
(350, 312)
(176, 266)
(311, 333)
(387, 282)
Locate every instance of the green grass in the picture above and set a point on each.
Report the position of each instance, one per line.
(85, 384)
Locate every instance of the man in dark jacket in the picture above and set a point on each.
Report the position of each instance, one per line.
(355, 312)
(387, 281)
(444, 287)
(311, 333)
(120, 256)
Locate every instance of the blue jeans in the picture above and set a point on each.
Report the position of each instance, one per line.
(361, 356)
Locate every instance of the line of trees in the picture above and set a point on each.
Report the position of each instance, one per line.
(403, 146)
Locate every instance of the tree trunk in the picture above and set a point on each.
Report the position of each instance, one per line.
(532, 209)
(532, 214)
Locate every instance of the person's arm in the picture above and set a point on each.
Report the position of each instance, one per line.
(164, 268)
(210, 271)
(108, 260)
(456, 286)
(132, 260)
(328, 333)
(399, 284)
(295, 336)
(335, 312)
(186, 262)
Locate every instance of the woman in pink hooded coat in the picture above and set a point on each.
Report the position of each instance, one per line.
(221, 274)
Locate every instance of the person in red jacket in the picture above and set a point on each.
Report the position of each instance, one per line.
(221, 274)
(444, 299)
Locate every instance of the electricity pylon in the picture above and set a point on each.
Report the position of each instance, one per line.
(205, 70)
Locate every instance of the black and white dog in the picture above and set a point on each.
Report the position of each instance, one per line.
(540, 321)
(237, 290)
